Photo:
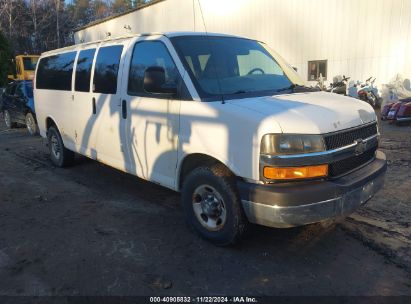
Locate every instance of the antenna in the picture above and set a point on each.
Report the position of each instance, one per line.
(206, 33)
(194, 16)
(202, 16)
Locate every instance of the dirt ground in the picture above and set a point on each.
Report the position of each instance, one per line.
(92, 230)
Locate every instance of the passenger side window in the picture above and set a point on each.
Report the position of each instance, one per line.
(148, 54)
(55, 72)
(106, 70)
(83, 70)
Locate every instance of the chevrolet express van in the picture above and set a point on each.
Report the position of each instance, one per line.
(224, 120)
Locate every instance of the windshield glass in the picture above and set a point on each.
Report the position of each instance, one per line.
(227, 65)
(30, 63)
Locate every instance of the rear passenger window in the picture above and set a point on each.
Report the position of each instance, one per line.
(106, 70)
(55, 72)
(145, 55)
(83, 70)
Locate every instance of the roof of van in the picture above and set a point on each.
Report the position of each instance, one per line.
(167, 34)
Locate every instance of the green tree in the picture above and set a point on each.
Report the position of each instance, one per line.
(5, 59)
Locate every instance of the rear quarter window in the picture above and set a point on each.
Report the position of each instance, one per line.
(55, 72)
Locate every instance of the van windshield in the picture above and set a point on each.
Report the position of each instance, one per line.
(230, 66)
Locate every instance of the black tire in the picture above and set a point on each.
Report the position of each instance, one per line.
(220, 179)
(8, 120)
(59, 155)
(31, 124)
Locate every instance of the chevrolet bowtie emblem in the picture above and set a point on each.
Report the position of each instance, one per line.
(360, 147)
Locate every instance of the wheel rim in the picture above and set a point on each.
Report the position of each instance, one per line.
(7, 119)
(31, 125)
(209, 207)
(55, 147)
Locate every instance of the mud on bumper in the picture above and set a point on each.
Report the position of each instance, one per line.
(295, 204)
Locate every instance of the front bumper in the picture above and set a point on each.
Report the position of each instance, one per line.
(300, 203)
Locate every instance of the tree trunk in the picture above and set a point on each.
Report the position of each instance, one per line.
(58, 22)
(34, 18)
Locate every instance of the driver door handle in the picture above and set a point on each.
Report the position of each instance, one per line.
(94, 106)
(124, 109)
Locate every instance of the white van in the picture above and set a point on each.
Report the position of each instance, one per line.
(222, 119)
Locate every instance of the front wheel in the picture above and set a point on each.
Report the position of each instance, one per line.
(8, 120)
(31, 124)
(212, 206)
(59, 155)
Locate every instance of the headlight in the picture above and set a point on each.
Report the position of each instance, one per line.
(283, 144)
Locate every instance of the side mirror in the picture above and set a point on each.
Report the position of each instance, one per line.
(155, 81)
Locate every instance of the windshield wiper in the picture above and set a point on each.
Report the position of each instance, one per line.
(235, 93)
(239, 92)
(291, 87)
(294, 86)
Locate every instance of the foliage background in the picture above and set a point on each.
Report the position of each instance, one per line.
(35, 26)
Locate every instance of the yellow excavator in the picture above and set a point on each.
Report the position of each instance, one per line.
(24, 67)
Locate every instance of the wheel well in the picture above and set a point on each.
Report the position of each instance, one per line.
(193, 161)
(49, 123)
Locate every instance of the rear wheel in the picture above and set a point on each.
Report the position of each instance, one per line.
(212, 206)
(59, 155)
(8, 120)
(31, 124)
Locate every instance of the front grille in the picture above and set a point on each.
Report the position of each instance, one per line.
(343, 166)
(345, 138)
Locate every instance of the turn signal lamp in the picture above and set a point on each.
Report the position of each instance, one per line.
(290, 173)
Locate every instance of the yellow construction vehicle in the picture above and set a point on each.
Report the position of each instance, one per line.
(23, 67)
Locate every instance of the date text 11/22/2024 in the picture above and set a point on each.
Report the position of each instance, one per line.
(221, 299)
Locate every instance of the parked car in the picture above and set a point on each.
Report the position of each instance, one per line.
(17, 105)
(222, 119)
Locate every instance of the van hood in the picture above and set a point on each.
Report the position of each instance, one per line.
(310, 113)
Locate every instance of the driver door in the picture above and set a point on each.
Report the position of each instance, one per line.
(152, 123)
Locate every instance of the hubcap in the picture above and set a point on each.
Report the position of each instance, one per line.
(209, 208)
(31, 125)
(55, 147)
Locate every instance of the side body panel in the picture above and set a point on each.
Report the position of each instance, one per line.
(109, 124)
(82, 115)
(225, 132)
